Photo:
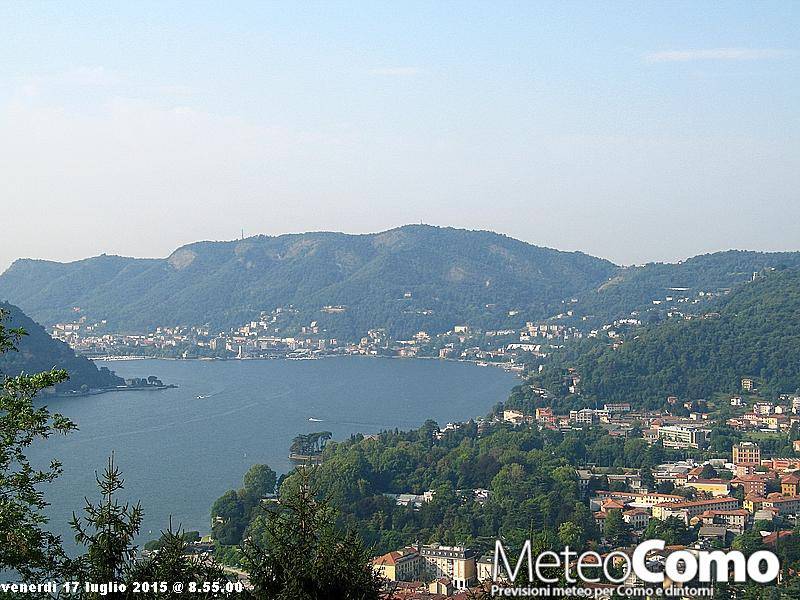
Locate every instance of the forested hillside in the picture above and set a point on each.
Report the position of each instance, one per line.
(407, 279)
(752, 332)
(37, 351)
(530, 476)
(636, 288)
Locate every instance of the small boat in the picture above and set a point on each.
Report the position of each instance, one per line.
(202, 397)
(313, 420)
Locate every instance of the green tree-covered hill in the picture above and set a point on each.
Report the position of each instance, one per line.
(636, 288)
(752, 332)
(453, 276)
(37, 351)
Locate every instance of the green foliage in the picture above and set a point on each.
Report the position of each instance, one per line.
(232, 511)
(672, 530)
(229, 518)
(617, 531)
(26, 548)
(259, 481)
(309, 444)
(173, 562)
(530, 476)
(107, 530)
(38, 352)
(188, 537)
(452, 274)
(748, 542)
(295, 552)
(635, 288)
(755, 332)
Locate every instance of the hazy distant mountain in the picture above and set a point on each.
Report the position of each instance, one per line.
(37, 352)
(407, 279)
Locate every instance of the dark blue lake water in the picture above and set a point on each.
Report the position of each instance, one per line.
(179, 453)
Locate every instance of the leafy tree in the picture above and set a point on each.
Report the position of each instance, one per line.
(672, 530)
(748, 542)
(259, 481)
(232, 511)
(228, 518)
(310, 443)
(708, 472)
(295, 552)
(617, 531)
(571, 534)
(26, 548)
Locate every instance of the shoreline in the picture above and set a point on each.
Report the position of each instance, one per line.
(478, 363)
(98, 391)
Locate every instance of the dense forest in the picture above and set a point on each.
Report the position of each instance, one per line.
(752, 332)
(37, 351)
(530, 476)
(405, 280)
(635, 288)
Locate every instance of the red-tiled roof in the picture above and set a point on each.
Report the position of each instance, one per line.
(724, 500)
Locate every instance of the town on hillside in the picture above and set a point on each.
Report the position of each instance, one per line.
(712, 505)
(276, 334)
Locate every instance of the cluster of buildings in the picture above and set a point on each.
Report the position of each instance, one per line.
(277, 334)
(432, 570)
(756, 490)
(720, 499)
(620, 420)
(690, 432)
(416, 501)
(766, 415)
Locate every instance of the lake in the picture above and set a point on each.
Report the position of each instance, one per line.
(179, 453)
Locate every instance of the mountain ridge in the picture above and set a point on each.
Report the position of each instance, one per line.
(451, 273)
(453, 276)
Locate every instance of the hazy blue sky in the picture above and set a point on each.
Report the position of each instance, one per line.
(631, 131)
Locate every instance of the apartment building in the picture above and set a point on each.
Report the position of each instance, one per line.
(585, 416)
(714, 487)
(400, 565)
(675, 436)
(733, 520)
(644, 499)
(688, 510)
(778, 505)
(457, 563)
(746, 454)
(753, 485)
(790, 484)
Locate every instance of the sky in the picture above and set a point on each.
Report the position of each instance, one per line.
(634, 131)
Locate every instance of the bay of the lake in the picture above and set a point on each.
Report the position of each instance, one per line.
(180, 449)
